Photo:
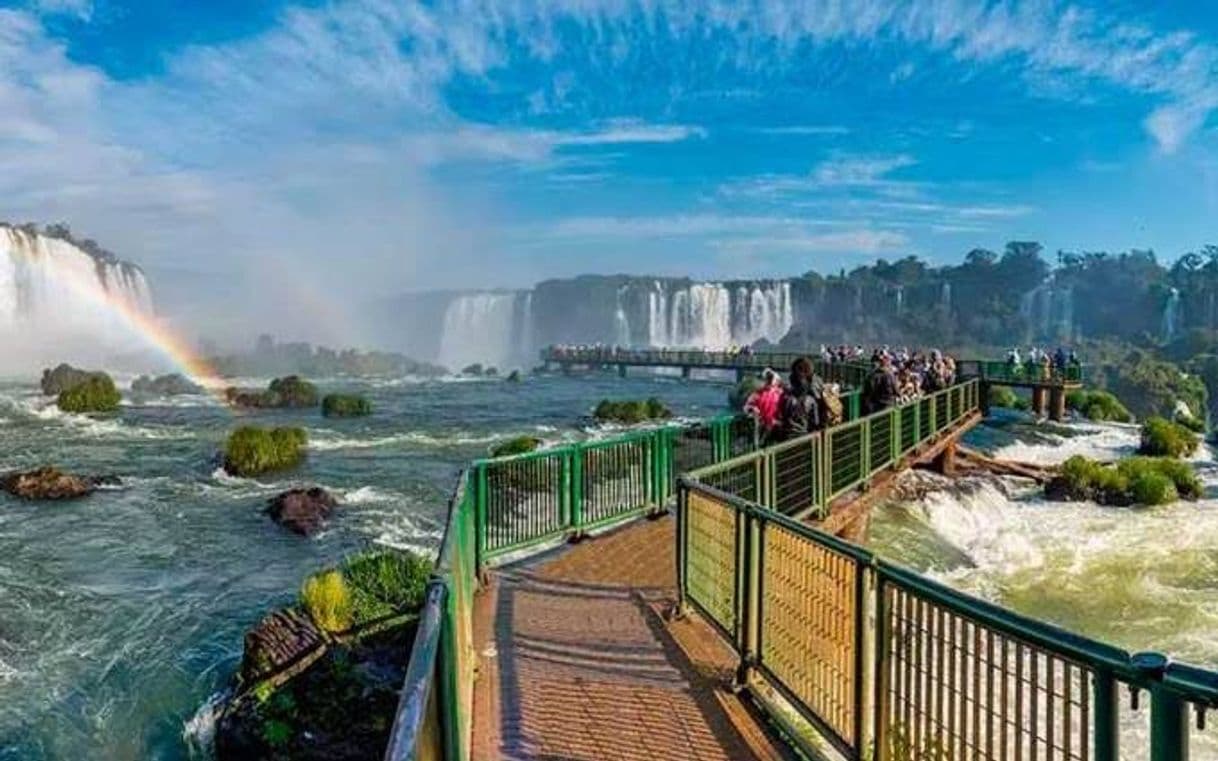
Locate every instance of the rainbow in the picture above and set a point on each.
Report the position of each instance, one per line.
(153, 332)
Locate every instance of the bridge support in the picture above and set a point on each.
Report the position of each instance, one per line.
(945, 462)
(1057, 404)
(983, 390)
(685, 371)
(741, 374)
(1039, 407)
(621, 371)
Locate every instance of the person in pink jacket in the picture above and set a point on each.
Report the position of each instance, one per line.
(765, 405)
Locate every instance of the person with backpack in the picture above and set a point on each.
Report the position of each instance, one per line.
(801, 408)
(765, 407)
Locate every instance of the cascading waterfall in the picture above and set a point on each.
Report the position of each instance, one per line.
(621, 322)
(945, 298)
(54, 294)
(1171, 315)
(1048, 311)
(900, 298)
(714, 315)
(481, 328)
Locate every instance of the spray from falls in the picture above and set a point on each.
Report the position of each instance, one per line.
(481, 328)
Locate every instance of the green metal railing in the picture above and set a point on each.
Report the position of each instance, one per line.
(879, 661)
(802, 476)
(1026, 373)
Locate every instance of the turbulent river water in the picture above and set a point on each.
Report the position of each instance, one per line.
(122, 614)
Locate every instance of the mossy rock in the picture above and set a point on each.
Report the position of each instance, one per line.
(515, 446)
(631, 411)
(291, 391)
(384, 583)
(1133, 481)
(251, 451)
(345, 405)
(96, 394)
(474, 369)
(63, 377)
(1100, 406)
(1164, 438)
(513, 377)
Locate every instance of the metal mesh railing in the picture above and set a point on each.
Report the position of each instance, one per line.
(880, 443)
(525, 498)
(845, 444)
(617, 477)
(710, 552)
(796, 480)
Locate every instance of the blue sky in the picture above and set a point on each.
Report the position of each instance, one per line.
(368, 147)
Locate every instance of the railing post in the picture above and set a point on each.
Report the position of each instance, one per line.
(865, 449)
(894, 435)
(748, 582)
(573, 476)
(480, 527)
(879, 675)
(1107, 719)
(1168, 725)
(682, 549)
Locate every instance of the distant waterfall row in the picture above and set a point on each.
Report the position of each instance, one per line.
(53, 294)
(505, 328)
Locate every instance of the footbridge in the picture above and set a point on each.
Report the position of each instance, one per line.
(1049, 386)
(680, 593)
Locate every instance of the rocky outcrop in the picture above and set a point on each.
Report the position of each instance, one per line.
(283, 639)
(290, 392)
(50, 483)
(174, 384)
(303, 511)
(64, 377)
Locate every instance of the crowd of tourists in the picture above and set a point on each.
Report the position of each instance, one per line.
(1040, 363)
(803, 402)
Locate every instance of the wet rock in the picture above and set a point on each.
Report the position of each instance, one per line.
(49, 483)
(281, 639)
(65, 377)
(303, 511)
(173, 384)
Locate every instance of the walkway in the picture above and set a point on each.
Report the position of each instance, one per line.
(582, 665)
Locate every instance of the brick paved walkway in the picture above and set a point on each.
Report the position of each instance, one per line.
(578, 662)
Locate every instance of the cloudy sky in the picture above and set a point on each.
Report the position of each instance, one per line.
(383, 145)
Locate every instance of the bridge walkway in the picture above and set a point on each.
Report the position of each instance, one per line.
(579, 661)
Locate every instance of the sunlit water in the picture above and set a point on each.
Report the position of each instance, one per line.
(1143, 579)
(122, 613)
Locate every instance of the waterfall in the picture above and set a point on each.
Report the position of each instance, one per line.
(1171, 315)
(1065, 315)
(481, 327)
(1047, 311)
(54, 295)
(945, 298)
(717, 315)
(900, 298)
(621, 323)
(1209, 309)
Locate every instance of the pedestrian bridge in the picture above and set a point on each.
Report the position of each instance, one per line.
(698, 617)
(1048, 386)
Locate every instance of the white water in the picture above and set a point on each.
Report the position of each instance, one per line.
(54, 296)
(1171, 315)
(712, 315)
(478, 328)
(1139, 578)
(1048, 311)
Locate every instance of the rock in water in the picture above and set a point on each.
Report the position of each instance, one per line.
(302, 510)
(173, 384)
(65, 377)
(47, 483)
(281, 639)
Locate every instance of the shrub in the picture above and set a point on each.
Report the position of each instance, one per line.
(386, 582)
(474, 369)
(96, 394)
(1002, 396)
(1163, 438)
(345, 405)
(251, 451)
(518, 445)
(1135, 480)
(294, 391)
(1196, 425)
(327, 598)
(1100, 406)
(632, 411)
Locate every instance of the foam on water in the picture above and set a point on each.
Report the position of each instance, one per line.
(324, 440)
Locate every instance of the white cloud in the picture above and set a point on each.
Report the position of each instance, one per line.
(856, 241)
(806, 129)
(80, 9)
(859, 170)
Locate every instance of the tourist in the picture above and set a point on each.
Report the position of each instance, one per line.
(801, 407)
(765, 406)
(880, 391)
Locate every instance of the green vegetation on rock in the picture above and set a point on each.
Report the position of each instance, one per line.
(1133, 481)
(345, 405)
(290, 391)
(1163, 438)
(384, 583)
(631, 411)
(1100, 406)
(96, 394)
(1002, 396)
(63, 377)
(327, 598)
(251, 451)
(515, 446)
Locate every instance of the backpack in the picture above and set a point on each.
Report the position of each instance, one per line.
(831, 403)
